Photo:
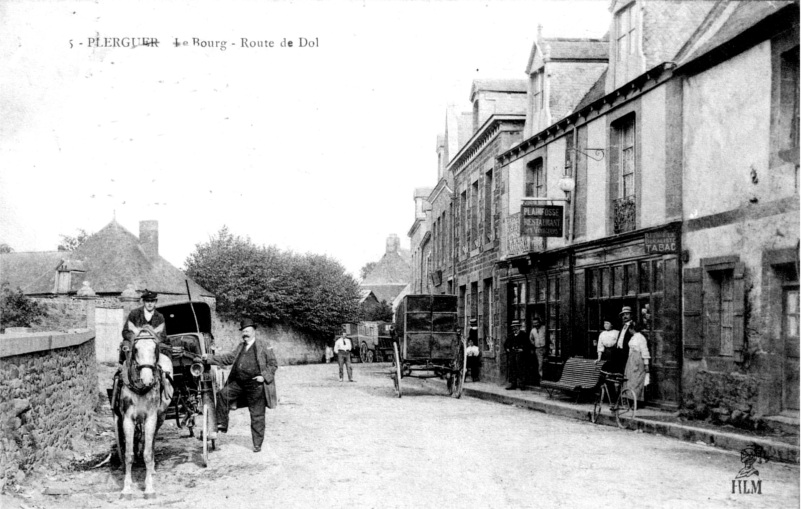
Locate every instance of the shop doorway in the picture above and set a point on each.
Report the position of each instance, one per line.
(790, 338)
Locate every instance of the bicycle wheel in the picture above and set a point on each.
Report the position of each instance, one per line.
(626, 409)
(599, 401)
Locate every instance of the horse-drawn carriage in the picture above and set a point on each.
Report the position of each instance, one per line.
(188, 326)
(427, 342)
(140, 405)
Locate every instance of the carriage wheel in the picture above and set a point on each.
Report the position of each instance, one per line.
(363, 353)
(206, 438)
(396, 376)
(456, 377)
(626, 409)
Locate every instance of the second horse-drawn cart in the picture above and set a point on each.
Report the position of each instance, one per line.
(427, 342)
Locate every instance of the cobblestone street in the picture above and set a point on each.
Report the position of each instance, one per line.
(333, 444)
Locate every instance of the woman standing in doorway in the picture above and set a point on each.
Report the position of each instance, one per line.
(637, 376)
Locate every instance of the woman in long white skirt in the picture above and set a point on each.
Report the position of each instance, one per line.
(636, 373)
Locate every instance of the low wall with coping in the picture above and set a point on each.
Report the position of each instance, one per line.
(289, 346)
(48, 392)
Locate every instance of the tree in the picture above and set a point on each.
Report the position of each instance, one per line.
(70, 243)
(366, 270)
(381, 312)
(312, 293)
(5, 248)
(18, 310)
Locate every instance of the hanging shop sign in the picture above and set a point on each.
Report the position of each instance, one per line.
(537, 220)
(661, 242)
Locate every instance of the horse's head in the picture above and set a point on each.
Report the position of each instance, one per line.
(145, 353)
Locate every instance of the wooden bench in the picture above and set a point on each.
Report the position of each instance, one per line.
(578, 374)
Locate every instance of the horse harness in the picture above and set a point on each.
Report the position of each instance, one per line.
(131, 370)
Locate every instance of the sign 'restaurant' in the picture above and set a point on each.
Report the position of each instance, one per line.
(538, 220)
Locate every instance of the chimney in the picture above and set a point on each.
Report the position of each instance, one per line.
(149, 238)
(393, 243)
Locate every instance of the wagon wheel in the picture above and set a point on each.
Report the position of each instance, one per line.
(363, 353)
(459, 368)
(396, 376)
(205, 435)
(626, 409)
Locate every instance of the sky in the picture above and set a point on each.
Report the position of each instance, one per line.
(311, 149)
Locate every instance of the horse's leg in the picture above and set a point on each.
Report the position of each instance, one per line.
(150, 442)
(128, 427)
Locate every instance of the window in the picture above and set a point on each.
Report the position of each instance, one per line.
(474, 215)
(624, 163)
(720, 312)
(535, 179)
(517, 299)
(488, 324)
(474, 302)
(489, 230)
(788, 106)
(626, 33)
(538, 101)
(544, 302)
(461, 306)
(462, 224)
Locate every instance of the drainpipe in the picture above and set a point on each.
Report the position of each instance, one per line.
(573, 164)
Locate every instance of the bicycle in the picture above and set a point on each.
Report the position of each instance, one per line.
(625, 406)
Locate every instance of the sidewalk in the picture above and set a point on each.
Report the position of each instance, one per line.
(781, 448)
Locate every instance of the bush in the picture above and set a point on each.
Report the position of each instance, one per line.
(17, 310)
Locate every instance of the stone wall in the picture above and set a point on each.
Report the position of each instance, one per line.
(290, 346)
(723, 398)
(48, 392)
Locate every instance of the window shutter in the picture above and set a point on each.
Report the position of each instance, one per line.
(711, 314)
(693, 314)
(738, 310)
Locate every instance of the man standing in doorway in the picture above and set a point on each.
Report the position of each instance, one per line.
(515, 350)
(252, 377)
(620, 354)
(342, 349)
(539, 343)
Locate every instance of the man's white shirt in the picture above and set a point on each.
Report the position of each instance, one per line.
(344, 344)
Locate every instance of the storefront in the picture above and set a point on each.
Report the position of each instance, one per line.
(573, 289)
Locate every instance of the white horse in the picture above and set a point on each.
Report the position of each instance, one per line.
(140, 408)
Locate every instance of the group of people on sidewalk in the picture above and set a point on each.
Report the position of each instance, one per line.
(623, 351)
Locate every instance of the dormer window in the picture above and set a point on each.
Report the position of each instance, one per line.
(538, 99)
(626, 31)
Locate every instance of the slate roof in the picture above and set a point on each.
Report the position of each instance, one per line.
(564, 48)
(668, 25)
(32, 270)
(740, 17)
(386, 292)
(112, 259)
(490, 85)
(594, 93)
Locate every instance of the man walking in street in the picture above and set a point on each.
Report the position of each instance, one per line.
(342, 349)
(252, 378)
(539, 343)
(515, 350)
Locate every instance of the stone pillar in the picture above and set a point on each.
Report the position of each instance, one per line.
(89, 298)
(129, 299)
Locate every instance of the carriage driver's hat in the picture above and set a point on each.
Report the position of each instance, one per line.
(147, 295)
(245, 323)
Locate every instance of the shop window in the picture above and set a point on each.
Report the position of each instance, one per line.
(517, 300)
(545, 304)
(610, 288)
